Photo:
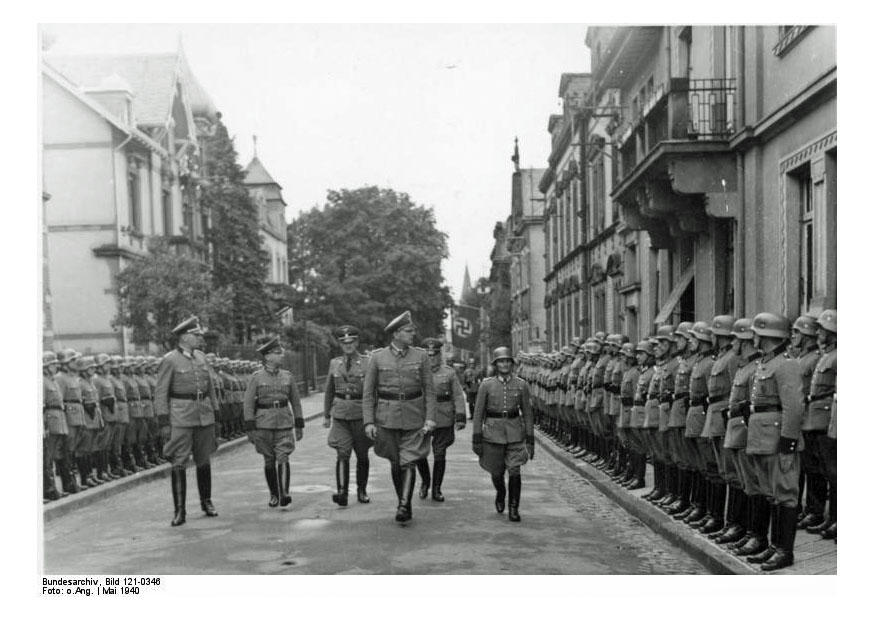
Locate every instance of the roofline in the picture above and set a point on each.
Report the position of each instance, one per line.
(70, 87)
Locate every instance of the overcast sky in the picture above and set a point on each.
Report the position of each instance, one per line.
(429, 109)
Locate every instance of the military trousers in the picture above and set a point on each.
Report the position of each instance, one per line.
(274, 444)
(778, 474)
(500, 457)
(441, 439)
(137, 432)
(719, 456)
(53, 447)
(692, 454)
(828, 447)
(347, 436)
(76, 445)
(185, 441)
(401, 447)
(119, 431)
(743, 467)
(104, 438)
(677, 454)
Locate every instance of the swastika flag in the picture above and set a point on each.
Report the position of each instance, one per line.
(466, 327)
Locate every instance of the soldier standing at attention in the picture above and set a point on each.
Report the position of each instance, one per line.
(700, 340)
(54, 431)
(93, 421)
(123, 461)
(150, 424)
(136, 432)
(399, 407)
(628, 383)
(820, 416)
(450, 417)
(677, 420)
(812, 479)
(343, 415)
(68, 383)
(271, 410)
(504, 435)
(106, 398)
(185, 396)
(773, 435)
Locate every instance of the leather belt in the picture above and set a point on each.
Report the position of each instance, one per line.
(503, 414)
(681, 396)
(717, 399)
(765, 408)
(396, 396)
(197, 396)
(274, 404)
(444, 399)
(350, 396)
(737, 413)
(816, 397)
(53, 407)
(697, 402)
(77, 401)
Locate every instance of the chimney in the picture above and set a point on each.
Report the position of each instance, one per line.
(114, 94)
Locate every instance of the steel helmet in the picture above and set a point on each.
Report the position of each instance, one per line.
(828, 320)
(683, 328)
(771, 325)
(567, 350)
(599, 336)
(49, 357)
(665, 332)
(645, 346)
(806, 325)
(68, 355)
(116, 361)
(701, 331)
(101, 359)
(615, 340)
(722, 325)
(743, 329)
(627, 349)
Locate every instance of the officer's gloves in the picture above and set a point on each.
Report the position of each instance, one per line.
(371, 431)
(477, 444)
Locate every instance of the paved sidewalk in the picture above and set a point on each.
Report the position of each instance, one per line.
(311, 406)
(813, 555)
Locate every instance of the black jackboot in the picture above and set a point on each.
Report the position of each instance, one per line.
(205, 488)
(396, 480)
(682, 500)
(284, 474)
(408, 481)
(767, 553)
(671, 486)
(272, 485)
(747, 522)
(735, 512)
(68, 481)
(341, 471)
(84, 473)
(362, 467)
(717, 508)
(440, 467)
(500, 492)
(425, 474)
(177, 485)
(514, 488)
(783, 556)
(760, 516)
(659, 483)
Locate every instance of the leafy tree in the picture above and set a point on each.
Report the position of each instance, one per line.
(158, 291)
(240, 265)
(365, 257)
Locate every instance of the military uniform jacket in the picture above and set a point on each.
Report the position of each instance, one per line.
(776, 402)
(563, 382)
(185, 390)
(640, 398)
(93, 419)
(449, 396)
(343, 388)
(581, 395)
(132, 392)
(272, 400)
(618, 369)
(573, 374)
(553, 387)
(807, 363)
(666, 392)
(698, 394)
(398, 390)
(497, 395)
(106, 397)
(54, 420)
(680, 398)
(72, 395)
(651, 404)
(146, 396)
(719, 385)
(821, 392)
(739, 404)
(121, 400)
(597, 383)
(627, 395)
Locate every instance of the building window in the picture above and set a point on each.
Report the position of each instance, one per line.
(806, 255)
(576, 327)
(167, 212)
(575, 208)
(788, 37)
(599, 309)
(630, 264)
(136, 213)
(618, 313)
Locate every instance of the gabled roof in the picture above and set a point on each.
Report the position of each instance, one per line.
(152, 78)
(257, 174)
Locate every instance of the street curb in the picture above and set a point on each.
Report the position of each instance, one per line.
(60, 507)
(699, 547)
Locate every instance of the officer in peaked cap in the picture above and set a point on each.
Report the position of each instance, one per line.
(450, 417)
(185, 395)
(343, 415)
(271, 410)
(54, 431)
(399, 407)
(774, 434)
(504, 436)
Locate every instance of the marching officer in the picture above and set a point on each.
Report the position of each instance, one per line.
(774, 432)
(54, 431)
(343, 414)
(504, 436)
(450, 417)
(185, 396)
(399, 407)
(812, 479)
(819, 418)
(271, 409)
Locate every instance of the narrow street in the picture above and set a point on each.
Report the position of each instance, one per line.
(568, 527)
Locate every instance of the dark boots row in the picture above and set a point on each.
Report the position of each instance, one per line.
(277, 476)
(362, 467)
(429, 482)
(204, 489)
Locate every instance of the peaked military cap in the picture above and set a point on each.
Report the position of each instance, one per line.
(346, 334)
(270, 345)
(399, 321)
(432, 345)
(191, 325)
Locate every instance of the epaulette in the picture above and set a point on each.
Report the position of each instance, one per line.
(337, 359)
(418, 349)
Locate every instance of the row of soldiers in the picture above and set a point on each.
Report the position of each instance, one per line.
(99, 422)
(736, 416)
